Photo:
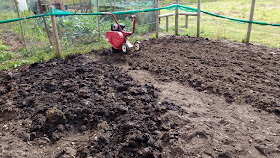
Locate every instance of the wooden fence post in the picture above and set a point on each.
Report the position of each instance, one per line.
(157, 19)
(250, 24)
(91, 8)
(177, 19)
(21, 27)
(98, 20)
(198, 18)
(46, 5)
(44, 20)
(187, 21)
(61, 5)
(167, 24)
(55, 34)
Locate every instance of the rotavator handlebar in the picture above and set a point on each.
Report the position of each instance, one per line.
(123, 32)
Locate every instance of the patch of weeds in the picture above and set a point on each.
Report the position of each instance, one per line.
(2, 47)
(154, 35)
(5, 56)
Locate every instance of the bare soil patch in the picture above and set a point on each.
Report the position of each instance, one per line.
(178, 97)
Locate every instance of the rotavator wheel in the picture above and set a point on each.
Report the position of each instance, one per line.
(110, 50)
(137, 45)
(125, 48)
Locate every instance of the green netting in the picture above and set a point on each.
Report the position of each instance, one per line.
(11, 20)
(187, 9)
(239, 20)
(171, 7)
(124, 3)
(53, 11)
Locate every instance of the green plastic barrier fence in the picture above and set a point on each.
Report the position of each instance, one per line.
(123, 4)
(11, 20)
(239, 20)
(187, 9)
(171, 7)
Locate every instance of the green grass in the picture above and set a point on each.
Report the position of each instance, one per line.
(217, 28)
(22, 57)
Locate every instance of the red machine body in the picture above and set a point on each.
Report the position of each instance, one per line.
(118, 39)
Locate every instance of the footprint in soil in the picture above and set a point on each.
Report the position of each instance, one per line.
(198, 135)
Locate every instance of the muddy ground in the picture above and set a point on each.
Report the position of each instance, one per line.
(177, 97)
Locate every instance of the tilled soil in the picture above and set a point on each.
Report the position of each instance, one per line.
(45, 102)
(177, 97)
(240, 73)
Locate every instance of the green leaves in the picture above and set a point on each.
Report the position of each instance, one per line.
(5, 56)
(2, 47)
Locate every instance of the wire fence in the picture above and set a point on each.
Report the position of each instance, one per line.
(77, 34)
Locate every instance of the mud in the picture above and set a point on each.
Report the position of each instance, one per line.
(177, 97)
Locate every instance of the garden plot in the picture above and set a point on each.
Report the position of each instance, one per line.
(177, 97)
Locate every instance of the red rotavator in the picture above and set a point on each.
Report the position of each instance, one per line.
(117, 37)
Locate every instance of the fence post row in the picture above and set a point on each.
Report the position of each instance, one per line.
(61, 5)
(44, 20)
(98, 21)
(187, 21)
(91, 7)
(251, 19)
(167, 24)
(198, 18)
(111, 6)
(177, 18)
(21, 27)
(55, 34)
(46, 6)
(157, 19)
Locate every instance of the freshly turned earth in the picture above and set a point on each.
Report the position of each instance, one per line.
(177, 97)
